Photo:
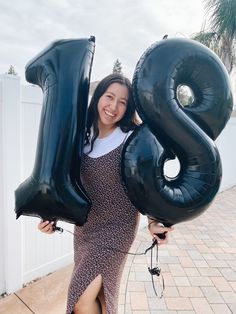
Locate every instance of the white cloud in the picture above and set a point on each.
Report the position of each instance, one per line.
(123, 29)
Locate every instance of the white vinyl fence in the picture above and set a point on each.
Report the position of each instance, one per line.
(26, 253)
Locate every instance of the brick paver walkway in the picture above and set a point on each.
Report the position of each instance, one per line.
(198, 265)
(199, 269)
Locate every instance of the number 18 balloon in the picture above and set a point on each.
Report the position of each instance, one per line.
(169, 130)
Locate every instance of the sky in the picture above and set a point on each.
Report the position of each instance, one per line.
(123, 29)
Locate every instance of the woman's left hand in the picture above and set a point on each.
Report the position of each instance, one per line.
(160, 232)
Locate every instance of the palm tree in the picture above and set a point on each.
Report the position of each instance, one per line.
(221, 34)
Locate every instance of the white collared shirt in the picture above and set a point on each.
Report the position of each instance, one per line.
(106, 144)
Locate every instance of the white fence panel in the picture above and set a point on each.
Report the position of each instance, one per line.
(41, 253)
(11, 259)
(227, 149)
(2, 277)
(25, 252)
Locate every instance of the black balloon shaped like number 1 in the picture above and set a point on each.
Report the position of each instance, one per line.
(54, 190)
(170, 130)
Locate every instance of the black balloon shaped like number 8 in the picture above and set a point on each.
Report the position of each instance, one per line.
(170, 129)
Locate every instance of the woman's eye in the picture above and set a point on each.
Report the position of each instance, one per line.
(109, 96)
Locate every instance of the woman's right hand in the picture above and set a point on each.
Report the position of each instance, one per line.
(46, 226)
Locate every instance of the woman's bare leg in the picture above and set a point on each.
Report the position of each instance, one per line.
(102, 302)
(90, 301)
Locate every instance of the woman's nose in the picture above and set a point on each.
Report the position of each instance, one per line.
(113, 105)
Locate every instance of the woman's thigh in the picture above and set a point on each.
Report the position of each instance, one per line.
(90, 296)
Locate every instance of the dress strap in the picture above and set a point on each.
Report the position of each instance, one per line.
(126, 136)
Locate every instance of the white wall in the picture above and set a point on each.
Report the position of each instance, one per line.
(227, 149)
(11, 259)
(233, 83)
(2, 278)
(25, 252)
(49, 252)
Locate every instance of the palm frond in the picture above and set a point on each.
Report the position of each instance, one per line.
(209, 39)
(220, 44)
(222, 14)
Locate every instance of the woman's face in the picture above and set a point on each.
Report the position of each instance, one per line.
(112, 105)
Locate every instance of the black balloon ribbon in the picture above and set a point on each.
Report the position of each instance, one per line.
(170, 129)
(54, 191)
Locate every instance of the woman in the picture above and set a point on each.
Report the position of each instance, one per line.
(112, 223)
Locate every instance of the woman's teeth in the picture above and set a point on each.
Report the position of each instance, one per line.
(109, 114)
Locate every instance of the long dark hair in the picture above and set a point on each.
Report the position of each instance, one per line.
(129, 120)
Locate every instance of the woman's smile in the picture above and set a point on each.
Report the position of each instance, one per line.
(108, 113)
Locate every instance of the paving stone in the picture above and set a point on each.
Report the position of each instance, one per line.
(212, 295)
(201, 264)
(11, 304)
(208, 271)
(138, 286)
(179, 253)
(202, 248)
(233, 285)
(143, 276)
(138, 301)
(178, 304)
(163, 312)
(232, 307)
(121, 309)
(195, 255)
(232, 264)
(220, 309)
(156, 304)
(192, 272)
(176, 270)
(229, 274)
(221, 284)
(225, 256)
(201, 306)
(217, 263)
(186, 262)
(168, 278)
(229, 297)
(200, 281)
(190, 292)
(169, 260)
(209, 257)
(216, 250)
(171, 292)
(182, 281)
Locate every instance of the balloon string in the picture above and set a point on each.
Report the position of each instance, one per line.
(154, 271)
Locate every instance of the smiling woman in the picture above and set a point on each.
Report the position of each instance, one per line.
(95, 281)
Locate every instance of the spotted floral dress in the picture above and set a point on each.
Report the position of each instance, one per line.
(111, 227)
